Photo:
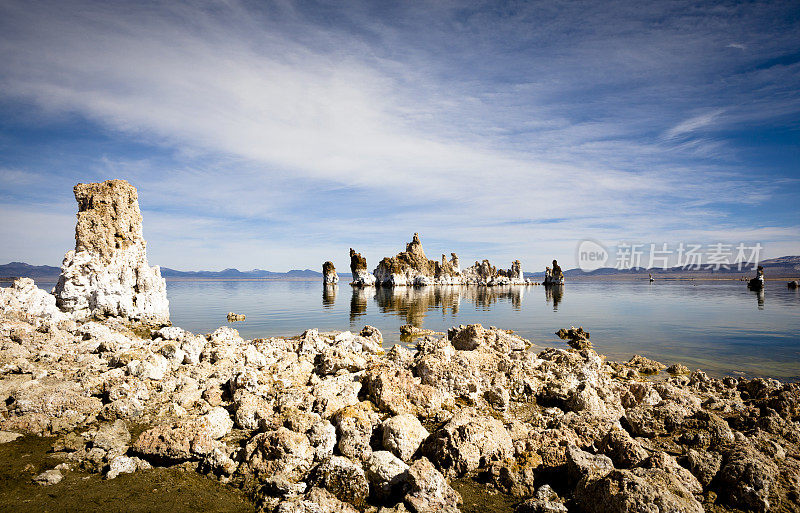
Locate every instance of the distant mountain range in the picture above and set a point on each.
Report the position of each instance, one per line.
(244, 275)
(47, 272)
(21, 269)
(786, 266)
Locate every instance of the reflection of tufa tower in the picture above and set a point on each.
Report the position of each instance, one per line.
(329, 295)
(107, 274)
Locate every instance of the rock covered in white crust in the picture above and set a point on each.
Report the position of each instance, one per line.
(358, 266)
(25, 296)
(412, 267)
(107, 274)
(329, 276)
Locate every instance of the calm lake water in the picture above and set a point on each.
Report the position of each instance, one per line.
(718, 326)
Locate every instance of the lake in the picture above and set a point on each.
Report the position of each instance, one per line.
(718, 326)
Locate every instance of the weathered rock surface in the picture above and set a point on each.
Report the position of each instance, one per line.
(638, 490)
(358, 266)
(577, 338)
(344, 478)
(386, 473)
(428, 490)
(412, 267)
(107, 275)
(49, 477)
(329, 276)
(26, 298)
(469, 441)
(544, 501)
(553, 276)
(403, 434)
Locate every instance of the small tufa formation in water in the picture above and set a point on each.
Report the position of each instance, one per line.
(329, 276)
(757, 283)
(577, 338)
(484, 273)
(107, 275)
(358, 266)
(234, 317)
(553, 276)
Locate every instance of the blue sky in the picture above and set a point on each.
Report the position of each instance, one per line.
(277, 135)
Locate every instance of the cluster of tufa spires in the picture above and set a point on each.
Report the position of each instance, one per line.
(413, 268)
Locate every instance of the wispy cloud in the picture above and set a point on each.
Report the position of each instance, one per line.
(693, 124)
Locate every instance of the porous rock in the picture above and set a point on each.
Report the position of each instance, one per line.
(468, 441)
(107, 274)
(403, 434)
(429, 490)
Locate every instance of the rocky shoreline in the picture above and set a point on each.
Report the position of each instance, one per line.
(475, 419)
(332, 422)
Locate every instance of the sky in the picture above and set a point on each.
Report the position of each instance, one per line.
(277, 135)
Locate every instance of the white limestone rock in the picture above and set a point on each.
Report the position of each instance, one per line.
(24, 296)
(329, 276)
(107, 274)
(403, 434)
(385, 472)
(358, 266)
(49, 477)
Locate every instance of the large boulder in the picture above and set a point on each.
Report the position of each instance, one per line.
(344, 479)
(746, 478)
(429, 491)
(25, 296)
(635, 491)
(469, 441)
(280, 452)
(354, 427)
(403, 434)
(386, 473)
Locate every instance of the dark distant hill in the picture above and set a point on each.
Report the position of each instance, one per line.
(256, 274)
(21, 269)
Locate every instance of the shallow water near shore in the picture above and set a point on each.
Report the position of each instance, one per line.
(718, 326)
(149, 491)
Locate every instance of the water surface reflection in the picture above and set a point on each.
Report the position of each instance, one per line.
(413, 304)
(715, 325)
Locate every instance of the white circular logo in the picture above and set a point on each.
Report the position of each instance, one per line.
(591, 255)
